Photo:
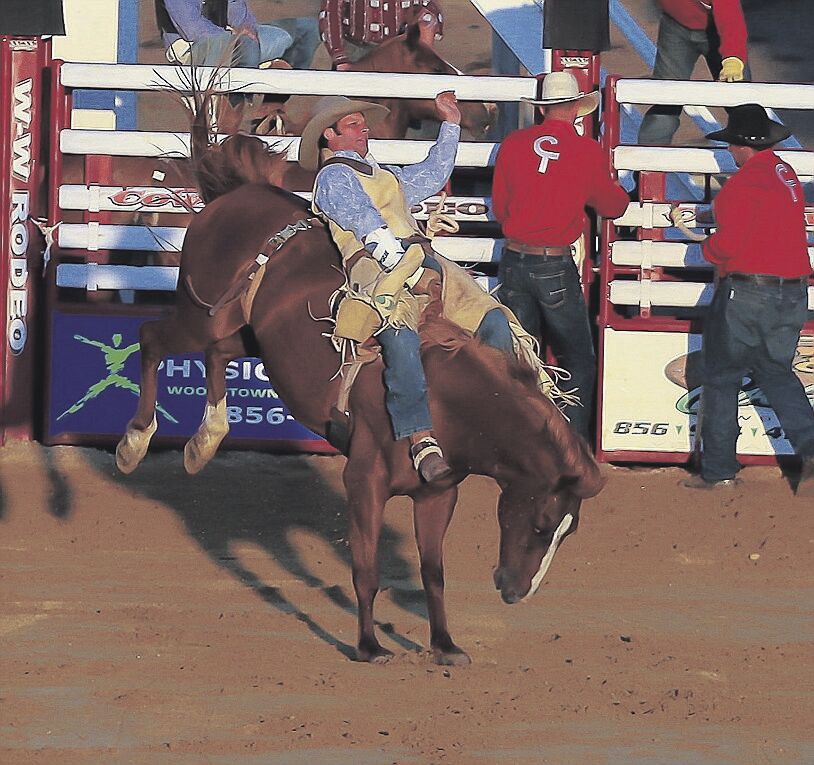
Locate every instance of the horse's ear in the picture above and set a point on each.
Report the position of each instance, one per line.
(413, 36)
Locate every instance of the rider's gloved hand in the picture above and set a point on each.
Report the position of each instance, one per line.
(731, 70)
(384, 247)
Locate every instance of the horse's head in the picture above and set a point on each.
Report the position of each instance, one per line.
(536, 513)
(406, 53)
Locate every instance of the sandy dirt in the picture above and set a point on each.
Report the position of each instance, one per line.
(162, 618)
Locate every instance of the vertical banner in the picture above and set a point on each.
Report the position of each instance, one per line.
(22, 61)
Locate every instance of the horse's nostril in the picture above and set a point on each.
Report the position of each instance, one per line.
(498, 577)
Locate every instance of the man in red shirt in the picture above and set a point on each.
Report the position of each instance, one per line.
(352, 28)
(714, 29)
(544, 177)
(760, 301)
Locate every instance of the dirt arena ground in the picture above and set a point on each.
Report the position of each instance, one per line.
(161, 618)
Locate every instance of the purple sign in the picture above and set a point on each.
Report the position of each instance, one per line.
(94, 387)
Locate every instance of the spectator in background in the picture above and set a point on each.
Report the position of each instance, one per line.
(202, 31)
(714, 29)
(352, 28)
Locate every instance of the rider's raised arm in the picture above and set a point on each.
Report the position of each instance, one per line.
(339, 195)
(426, 178)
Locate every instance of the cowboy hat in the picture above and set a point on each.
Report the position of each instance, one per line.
(749, 125)
(327, 112)
(562, 88)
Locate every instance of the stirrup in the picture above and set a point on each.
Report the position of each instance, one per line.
(428, 460)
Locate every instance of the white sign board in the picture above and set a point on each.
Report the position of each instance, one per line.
(651, 392)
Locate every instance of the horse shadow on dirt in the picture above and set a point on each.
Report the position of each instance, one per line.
(248, 497)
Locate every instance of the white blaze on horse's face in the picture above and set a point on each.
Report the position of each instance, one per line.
(531, 531)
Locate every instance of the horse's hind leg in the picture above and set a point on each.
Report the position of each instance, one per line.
(433, 512)
(214, 426)
(157, 340)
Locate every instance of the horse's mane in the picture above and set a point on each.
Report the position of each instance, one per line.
(519, 383)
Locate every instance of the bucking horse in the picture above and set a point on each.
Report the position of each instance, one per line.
(488, 412)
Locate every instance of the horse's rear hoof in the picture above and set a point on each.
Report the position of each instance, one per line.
(453, 658)
(200, 449)
(133, 446)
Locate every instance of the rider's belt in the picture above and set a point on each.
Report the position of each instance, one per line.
(768, 280)
(530, 249)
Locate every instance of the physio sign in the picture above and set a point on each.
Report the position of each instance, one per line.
(95, 383)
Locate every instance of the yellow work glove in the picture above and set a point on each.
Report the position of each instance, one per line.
(731, 70)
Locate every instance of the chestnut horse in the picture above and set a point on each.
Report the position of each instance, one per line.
(402, 54)
(488, 413)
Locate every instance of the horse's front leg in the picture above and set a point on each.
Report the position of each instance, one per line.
(366, 497)
(214, 426)
(433, 512)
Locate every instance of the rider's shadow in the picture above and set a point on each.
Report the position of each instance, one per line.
(263, 500)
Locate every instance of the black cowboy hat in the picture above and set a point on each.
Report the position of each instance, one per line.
(749, 125)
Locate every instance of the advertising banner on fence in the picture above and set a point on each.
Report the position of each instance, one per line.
(22, 197)
(94, 387)
(651, 389)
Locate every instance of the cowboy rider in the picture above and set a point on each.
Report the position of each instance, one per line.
(367, 208)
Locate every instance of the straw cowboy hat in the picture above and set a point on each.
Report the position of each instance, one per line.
(327, 112)
(749, 125)
(561, 88)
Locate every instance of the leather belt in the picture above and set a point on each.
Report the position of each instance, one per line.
(530, 249)
(768, 279)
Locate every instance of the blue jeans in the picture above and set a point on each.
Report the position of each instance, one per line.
(272, 43)
(404, 380)
(304, 31)
(546, 297)
(752, 328)
(678, 49)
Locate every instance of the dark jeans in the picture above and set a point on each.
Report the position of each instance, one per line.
(678, 49)
(755, 329)
(546, 297)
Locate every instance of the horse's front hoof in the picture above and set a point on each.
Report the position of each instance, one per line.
(451, 658)
(374, 654)
(133, 446)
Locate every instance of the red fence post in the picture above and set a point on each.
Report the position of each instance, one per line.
(24, 61)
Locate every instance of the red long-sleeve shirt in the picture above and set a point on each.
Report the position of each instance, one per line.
(760, 217)
(728, 17)
(368, 23)
(544, 177)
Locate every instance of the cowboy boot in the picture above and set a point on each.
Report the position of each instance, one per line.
(428, 459)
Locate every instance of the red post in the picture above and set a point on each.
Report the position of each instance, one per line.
(23, 61)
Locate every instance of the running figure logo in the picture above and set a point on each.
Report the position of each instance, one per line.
(115, 358)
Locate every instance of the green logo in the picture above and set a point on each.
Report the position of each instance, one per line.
(115, 358)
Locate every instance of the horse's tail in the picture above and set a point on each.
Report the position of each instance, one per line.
(221, 167)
